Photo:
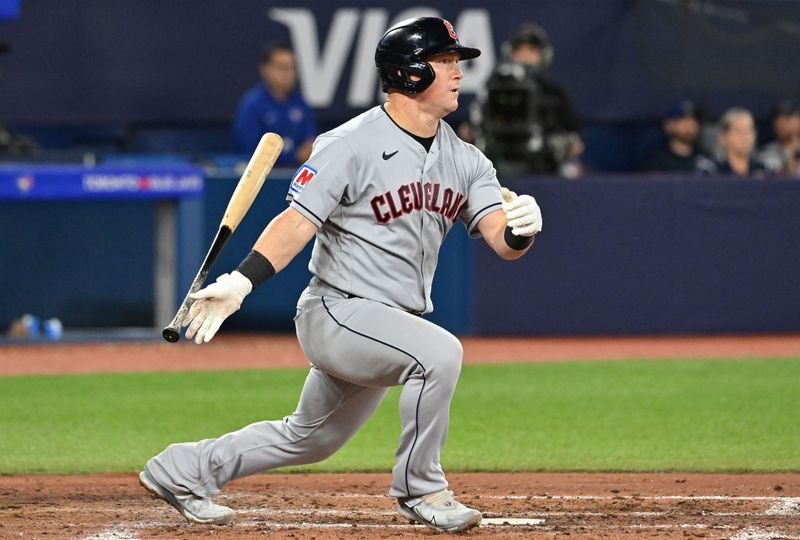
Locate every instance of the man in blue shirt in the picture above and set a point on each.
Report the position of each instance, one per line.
(275, 104)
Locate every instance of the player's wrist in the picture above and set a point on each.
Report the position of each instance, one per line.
(240, 284)
(517, 243)
(256, 268)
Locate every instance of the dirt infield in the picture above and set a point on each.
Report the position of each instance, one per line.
(321, 506)
(265, 351)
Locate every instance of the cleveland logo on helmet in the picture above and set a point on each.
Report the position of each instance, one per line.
(404, 48)
(451, 30)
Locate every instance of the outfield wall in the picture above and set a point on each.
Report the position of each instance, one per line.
(618, 255)
(632, 255)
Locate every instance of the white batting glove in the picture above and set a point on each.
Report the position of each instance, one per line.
(522, 213)
(215, 303)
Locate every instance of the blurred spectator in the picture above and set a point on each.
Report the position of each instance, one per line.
(525, 121)
(14, 144)
(275, 104)
(4, 49)
(782, 156)
(737, 138)
(10, 142)
(682, 127)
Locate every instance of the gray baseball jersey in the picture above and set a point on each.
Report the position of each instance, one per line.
(384, 205)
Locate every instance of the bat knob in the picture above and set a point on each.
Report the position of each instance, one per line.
(170, 334)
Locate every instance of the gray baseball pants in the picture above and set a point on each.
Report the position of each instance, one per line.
(357, 349)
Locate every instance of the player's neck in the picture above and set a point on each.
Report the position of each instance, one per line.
(408, 114)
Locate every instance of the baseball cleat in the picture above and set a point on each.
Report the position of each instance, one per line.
(440, 511)
(193, 508)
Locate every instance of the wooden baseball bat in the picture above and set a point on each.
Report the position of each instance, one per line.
(259, 166)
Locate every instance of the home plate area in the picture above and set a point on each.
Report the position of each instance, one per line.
(515, 505)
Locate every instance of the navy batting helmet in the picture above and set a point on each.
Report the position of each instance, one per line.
(403, 49)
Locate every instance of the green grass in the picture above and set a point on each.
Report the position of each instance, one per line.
(723, 415)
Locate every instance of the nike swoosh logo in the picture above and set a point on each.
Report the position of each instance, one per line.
(389, 156)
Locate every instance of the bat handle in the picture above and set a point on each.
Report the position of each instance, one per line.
(171, 334)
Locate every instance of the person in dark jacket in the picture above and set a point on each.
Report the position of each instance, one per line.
(525, 121)
(681, 125)
(275, 104)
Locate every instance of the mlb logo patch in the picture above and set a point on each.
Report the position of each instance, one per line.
(303, 176)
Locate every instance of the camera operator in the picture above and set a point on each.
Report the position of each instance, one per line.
(524, 120)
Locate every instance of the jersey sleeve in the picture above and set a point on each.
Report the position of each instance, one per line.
(483, 196)
(323, 182)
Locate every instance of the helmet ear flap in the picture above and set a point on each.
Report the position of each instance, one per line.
(399, 77)
(426, 75)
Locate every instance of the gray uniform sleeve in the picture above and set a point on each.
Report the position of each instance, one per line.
(324, 181)
(483, 196)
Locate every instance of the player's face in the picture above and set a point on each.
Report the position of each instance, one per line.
(442, 95)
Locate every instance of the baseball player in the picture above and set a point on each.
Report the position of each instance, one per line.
(380, 193)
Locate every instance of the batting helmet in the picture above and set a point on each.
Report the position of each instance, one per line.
(403, 49)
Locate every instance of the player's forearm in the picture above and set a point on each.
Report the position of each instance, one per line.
(493, 229)
(285, 237)
(504, 250)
